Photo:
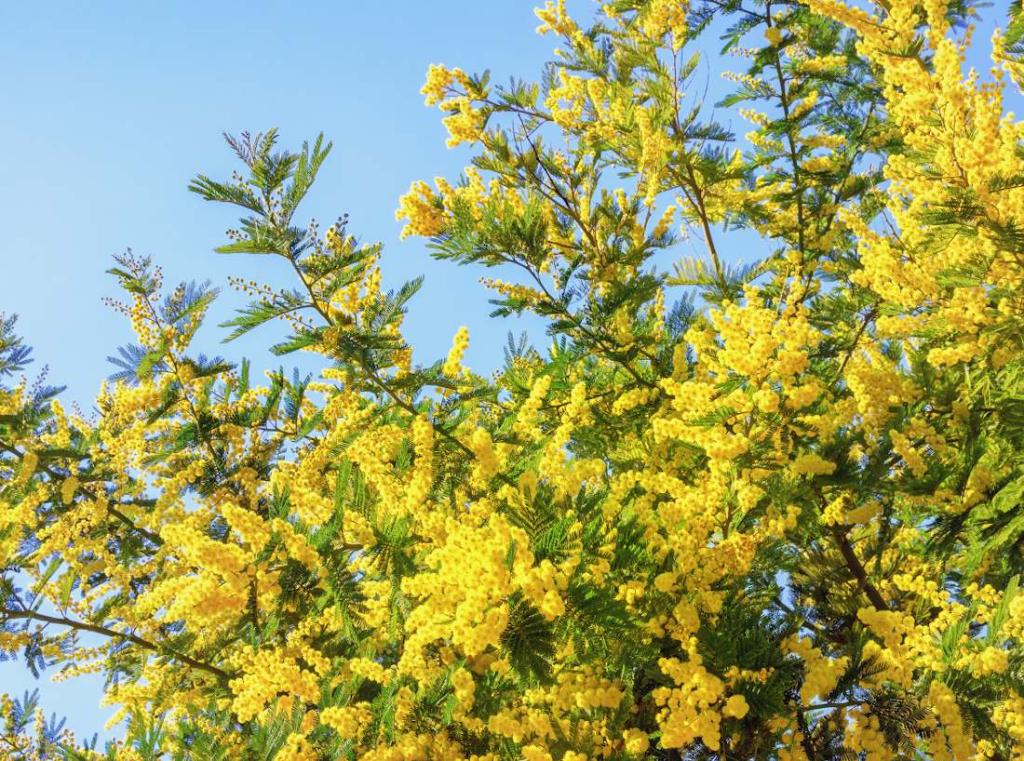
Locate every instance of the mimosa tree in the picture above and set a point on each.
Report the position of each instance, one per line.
(745, 504)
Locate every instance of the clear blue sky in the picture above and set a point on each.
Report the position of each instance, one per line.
(108, 109)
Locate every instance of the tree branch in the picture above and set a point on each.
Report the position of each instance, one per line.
(113, 634)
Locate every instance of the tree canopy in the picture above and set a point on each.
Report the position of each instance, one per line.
(744, 505)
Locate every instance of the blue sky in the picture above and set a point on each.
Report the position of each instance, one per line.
(108, 109)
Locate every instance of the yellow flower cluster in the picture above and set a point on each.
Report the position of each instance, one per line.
(775, 520)
(453, 363)
(820, 672)
(348, 721)
(555, 19)
(544, 585)
(689, 710)
(439, 81)
(485, 460)
(666, 16)
(526, 420)
(265, 675)
(473, 616)
(421, 207)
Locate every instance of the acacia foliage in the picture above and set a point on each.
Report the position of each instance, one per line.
(741, 508)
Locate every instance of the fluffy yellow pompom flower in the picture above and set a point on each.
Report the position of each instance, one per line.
(636, 741)
(735, 707)
(453, 363)
(422, 209)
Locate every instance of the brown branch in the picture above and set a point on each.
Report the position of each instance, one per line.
(857, 569)
(152, 537)
(113, 634)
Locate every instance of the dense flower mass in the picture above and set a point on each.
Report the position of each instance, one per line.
(745, 508)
